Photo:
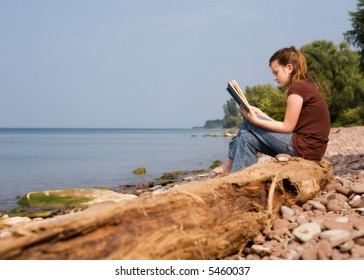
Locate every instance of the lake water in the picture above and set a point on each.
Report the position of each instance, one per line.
(49, 159)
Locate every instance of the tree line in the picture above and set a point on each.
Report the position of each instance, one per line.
(338, 71)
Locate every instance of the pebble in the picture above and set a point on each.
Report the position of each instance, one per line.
(307, 231)
(8, 222)
(324, 249)
(309, 253)
(287, 212)
(333, 205)
(334, 235)
(337, 228)
(358, 188)
(317, 205)
(338, 223)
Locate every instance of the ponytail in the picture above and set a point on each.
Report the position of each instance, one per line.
(294, 57)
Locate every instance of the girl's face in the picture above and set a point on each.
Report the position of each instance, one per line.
(281, 73)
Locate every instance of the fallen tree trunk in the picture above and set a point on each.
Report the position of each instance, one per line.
(209, 219)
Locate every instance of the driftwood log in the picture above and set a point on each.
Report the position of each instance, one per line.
(208, 219)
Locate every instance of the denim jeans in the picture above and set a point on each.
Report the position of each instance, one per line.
(251, 139)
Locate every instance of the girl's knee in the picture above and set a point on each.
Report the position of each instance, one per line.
(248, 138)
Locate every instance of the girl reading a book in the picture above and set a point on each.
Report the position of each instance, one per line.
(303, 132)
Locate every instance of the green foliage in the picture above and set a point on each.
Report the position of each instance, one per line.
(268, 98)
(213, 124)
(233, 116)
(336, 72)
(356, 36)
(351, 116)
(232, 121)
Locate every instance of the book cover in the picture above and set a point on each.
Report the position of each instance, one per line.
(238, 95)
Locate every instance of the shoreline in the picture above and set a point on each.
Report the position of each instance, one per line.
(339, 206)
(341, 152)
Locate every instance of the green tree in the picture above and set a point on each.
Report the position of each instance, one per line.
(336, 72)
(270, 99)
(232, 113)
(356, 36)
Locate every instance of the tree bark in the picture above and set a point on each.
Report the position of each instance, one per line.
(208, 219)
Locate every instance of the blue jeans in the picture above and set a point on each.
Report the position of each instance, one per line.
(251, 139)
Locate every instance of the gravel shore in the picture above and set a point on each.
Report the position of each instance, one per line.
(331, 225)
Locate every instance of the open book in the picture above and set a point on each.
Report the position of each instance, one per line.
(236, 93)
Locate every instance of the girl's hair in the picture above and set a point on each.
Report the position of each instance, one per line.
(292, 56)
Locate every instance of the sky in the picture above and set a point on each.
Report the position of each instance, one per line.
(145, 64)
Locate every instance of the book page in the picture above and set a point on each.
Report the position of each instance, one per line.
(239, 92)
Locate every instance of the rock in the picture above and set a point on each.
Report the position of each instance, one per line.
(259, 239)
(71, 198)
(358, 223)
(337, 255)
(322, 200)
(280, 224)
(292, 255)
(357, 202)
(357, 252)
(309, 253)
(8, 222)
(283, 157)
(306, 232)
(358, 188)
(324, 249)
(343, 190)
(333, 205)
(260, 250)
(338, 223)
(347, 246)
(317, 205)
(345, 181)
(140, 171)
(334, 235)
(287, 212)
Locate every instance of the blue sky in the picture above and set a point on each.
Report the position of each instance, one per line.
(145, 64)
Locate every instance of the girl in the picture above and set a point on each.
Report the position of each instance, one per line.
(306, 126)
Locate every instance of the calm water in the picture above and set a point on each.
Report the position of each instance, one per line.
(48, 159)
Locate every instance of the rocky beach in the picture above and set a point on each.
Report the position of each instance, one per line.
(330, 226)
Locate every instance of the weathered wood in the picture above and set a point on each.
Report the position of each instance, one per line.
(208, 219)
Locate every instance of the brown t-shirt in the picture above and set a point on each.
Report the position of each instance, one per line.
(311, 133)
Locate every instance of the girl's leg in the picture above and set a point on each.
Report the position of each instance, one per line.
(246, 151)
(252, 139)
(226, 167)
(272, 143)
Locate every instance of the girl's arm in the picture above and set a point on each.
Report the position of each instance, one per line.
(293, 110)
(260, 112)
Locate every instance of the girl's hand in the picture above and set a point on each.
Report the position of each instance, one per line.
(251, 116)
(257, 110)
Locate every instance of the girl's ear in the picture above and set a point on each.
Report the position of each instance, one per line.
(289, 68)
